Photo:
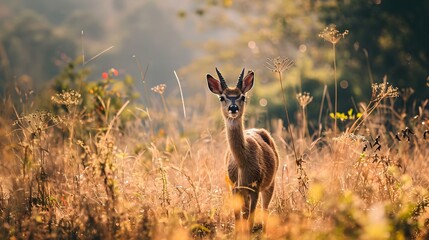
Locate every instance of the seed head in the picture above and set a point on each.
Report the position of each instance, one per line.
(331, 34)
(37, 120)
(279, 64)
(384, 90)
(159, 88)
(67, 98)
(304, 99)
(406, 93)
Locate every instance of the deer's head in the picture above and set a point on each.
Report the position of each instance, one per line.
(232, 99)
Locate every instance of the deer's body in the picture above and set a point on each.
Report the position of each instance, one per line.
(252, 157)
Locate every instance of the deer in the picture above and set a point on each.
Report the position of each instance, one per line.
(252, 158)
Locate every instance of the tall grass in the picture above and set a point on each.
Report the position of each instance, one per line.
(111, 172)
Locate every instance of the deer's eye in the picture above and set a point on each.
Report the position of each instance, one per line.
(221, 98)
(243, 98)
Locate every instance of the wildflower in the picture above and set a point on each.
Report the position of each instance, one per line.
(380, 91)
(111, 72)
(159, 88)
(384, 90)
(114, 72)
(105, 75)
(339, 115)
(304, 99)
(343, 116)
(331, 34)
(36, 121)
(406, 93)
(67, 98)
(279, 64)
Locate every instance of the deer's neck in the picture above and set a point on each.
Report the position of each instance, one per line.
(236, 141)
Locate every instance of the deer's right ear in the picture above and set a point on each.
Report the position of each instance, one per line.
(214, 85)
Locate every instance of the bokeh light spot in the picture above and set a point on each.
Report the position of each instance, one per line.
(251, 44)
(344, 84)
(263, 102)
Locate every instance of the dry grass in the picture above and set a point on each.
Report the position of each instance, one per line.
(164, 178)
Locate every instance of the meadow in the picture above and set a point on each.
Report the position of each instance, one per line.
(88, 162)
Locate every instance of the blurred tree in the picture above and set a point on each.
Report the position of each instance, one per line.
(147, 32)
(144, 29)
(386, 37)
(30, 46)
(280, 28)
(84, 21)
(54, 10)
(394, 36)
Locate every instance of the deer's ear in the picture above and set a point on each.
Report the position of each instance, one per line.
(214, 85)
(248, 82)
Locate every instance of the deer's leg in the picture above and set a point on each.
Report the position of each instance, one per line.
(253, 197)
(267, 195)
(240, 211)
(244, 216)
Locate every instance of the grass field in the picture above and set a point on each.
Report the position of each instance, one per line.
(78, 173)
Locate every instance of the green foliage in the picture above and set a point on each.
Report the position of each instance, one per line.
(102, 98)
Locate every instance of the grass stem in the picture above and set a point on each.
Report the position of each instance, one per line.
(181, 94)
(287, 116)
(336, 90)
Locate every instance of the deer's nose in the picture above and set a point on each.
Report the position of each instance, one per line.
(233, 108)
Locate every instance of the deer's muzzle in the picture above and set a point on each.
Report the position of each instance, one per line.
(233, 108)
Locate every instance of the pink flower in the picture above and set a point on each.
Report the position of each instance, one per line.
(105, 75)
(114, 71)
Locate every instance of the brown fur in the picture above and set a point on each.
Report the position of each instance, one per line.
(252, 158)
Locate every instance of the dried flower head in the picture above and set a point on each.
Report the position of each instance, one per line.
(36, 122)
(352, 139)
(304, 99)
(406, 93)
(279, 64)
(67, 98)
(384, 90)
(159, 88)
(331, 34)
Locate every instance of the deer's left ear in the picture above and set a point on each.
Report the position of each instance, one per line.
(248, 82)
